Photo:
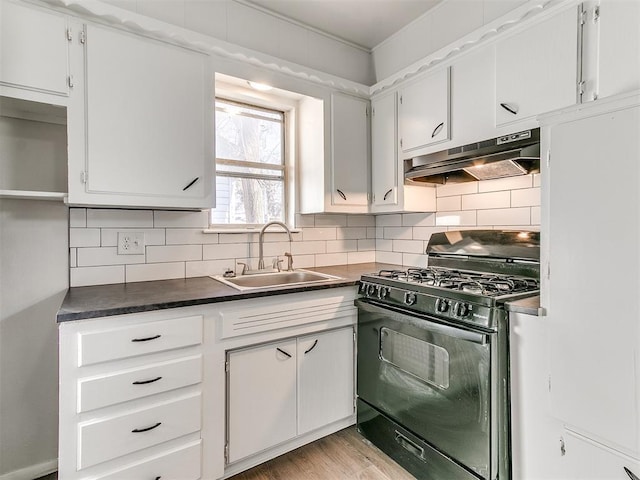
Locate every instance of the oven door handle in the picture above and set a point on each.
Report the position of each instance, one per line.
(434, 325)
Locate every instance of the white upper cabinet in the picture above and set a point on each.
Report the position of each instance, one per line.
(536, 69)
(384, 151)
(611, 52)
(149, 124)
(34, 47)
(349, 150)
(423, 113)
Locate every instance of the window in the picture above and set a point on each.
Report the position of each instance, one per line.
(250, 166)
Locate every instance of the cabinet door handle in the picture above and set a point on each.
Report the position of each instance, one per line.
(158, 477)
(191, 183)
(436, 130)
(509, 108)
(145, 382)
(344, 197)
(632, 475)
(146, 339)
(387, 194)
(283, 352)
(142, 430)
(311, 347)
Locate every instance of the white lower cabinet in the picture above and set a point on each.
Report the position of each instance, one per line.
(288, 388)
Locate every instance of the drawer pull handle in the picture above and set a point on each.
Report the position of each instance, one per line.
(146, 339)
(144, 382)
(283, 352)
(312, 347)
(142, 430)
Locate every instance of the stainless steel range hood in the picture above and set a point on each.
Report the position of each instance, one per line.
(505, 156)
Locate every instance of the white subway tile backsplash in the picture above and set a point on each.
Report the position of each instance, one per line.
(505, 216)
(305, 220)
(337, 246)
(178, 219)
(279, 237)
(379, 232)
(527, 197)
(537, 180)
(414, 260)
(394, 258)
(208, 267)
(119, 218)
(367, 244)
(85, 276)
(418, 220)
(448, 204)
(455, 219)
(152, 236)
(306, 248)
(403, 233)
(189, 236)
(361, 257)
(174, 253)
(219, 252)
(327, 233)
(331, 221)
(408, 246)
(326, 259)
(73, 257)
(361, 221)
(535, 216)
(238, 237)
(456, 189)
(486, 200)
(424, 233)
(304, 261)
(154, 271)
(99, 256)
(77, 217)
(84, 237)
(272, 249)
(509, 183)
(352, 233)
(394, 220)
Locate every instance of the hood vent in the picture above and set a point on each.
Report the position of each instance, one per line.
(505, 156)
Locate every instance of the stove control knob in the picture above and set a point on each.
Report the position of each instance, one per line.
(371, 290)
(461, 309)
(410, 298)
(383, 292)
(442, 305)
(363, 288)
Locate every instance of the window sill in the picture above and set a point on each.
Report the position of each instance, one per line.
(247, 230)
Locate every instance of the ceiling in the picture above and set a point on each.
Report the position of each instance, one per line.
(363, 22)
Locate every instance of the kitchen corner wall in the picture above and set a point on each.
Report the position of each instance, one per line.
(176, 246)
(508, 203)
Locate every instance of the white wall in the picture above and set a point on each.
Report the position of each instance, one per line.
(445, 23)
(33, 282)
(253, 28)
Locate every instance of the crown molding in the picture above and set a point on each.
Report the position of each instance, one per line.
(107, 14)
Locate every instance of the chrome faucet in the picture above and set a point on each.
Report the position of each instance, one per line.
(261, 241)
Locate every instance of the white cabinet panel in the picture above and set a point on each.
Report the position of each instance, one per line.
(33, 48)
(261, 392)
(149, 121)
(384, 151)
(593, 306)
(349, 150)
(325, 381)
(423, 113)
(536, 69)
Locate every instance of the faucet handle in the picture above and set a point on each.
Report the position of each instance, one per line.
(277, 262)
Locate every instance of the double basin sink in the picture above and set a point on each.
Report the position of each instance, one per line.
(275, 279)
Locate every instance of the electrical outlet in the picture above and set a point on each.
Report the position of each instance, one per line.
(130, 243)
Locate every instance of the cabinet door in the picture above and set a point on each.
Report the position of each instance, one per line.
(593, 284)
(349, 150)
(536, 69)
(261, 408)
(423, 114)
(325, 378)
(384, 152)
(619, 47)
(33, 48)
(149, 117)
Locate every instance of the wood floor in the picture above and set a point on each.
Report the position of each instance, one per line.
(345, 455)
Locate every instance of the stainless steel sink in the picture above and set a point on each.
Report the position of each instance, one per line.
(276, 279)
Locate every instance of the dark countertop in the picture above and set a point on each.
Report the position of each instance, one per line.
(105, 300)
(530, 306)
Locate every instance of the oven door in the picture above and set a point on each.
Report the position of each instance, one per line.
(430, 378)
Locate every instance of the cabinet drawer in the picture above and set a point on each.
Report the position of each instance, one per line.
(129, 384)
(139, 339)
(181, 464)
(104, 439)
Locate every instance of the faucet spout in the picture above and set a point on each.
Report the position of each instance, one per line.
(261, 241)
